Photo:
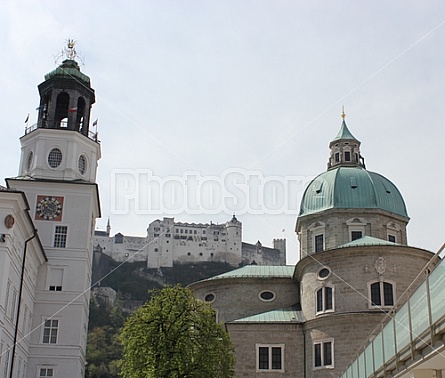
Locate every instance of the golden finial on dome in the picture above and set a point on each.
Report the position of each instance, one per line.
(343, 114)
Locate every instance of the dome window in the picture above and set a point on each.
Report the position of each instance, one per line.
(392, 238)
(267, 296)
(319, 242)
(209, 297)
(356, 235)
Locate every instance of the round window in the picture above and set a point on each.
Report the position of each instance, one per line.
(29, 160)
(82, 164)
(209, 297)
(267, 296)
(324, 272)
(55, 158)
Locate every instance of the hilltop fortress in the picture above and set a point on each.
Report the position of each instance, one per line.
(168, 242)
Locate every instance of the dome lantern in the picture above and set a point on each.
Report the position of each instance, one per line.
(345, 149)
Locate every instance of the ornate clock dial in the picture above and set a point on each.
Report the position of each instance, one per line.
(49, 208)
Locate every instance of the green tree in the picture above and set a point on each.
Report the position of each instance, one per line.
(175, 336)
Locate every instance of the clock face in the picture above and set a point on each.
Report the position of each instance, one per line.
(49, 208)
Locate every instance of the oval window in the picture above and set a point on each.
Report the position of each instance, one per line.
(55, 158)
(209, 297)
(267, 295)
(82, 164)
(324, 272)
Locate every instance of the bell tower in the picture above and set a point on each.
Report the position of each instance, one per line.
(57, 173)
(60, 145)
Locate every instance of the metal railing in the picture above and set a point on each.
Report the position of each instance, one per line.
(63, 125)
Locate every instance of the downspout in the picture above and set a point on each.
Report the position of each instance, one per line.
(22, 276)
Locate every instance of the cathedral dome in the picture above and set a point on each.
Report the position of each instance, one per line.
(354, 187)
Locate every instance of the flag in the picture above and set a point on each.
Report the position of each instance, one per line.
(27, 118)
(72, 110)
(95, 123)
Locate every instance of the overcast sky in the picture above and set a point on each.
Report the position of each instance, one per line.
(221, 90)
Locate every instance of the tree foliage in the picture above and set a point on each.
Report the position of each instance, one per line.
(175, 336)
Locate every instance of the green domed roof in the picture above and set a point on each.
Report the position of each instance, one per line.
(352, 188)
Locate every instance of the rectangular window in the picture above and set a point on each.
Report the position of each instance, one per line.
(317, 355)
(263, 358)
(392, 238)
(337, 157)
(347, 156)
(60, 236)
(55, 279)
(276, 358)
(356, 235)
(319, 243)
(50, 330)
(323, 354)
(45, 372)
(270, 357)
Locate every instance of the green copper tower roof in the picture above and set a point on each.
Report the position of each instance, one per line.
(69, 68)
(344, 134)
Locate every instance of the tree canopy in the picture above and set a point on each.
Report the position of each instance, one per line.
(175, 336)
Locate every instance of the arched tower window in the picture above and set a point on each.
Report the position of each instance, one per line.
(381, 294)
(324, 299)
(43, 110)
(80, 115)
(62, 105)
